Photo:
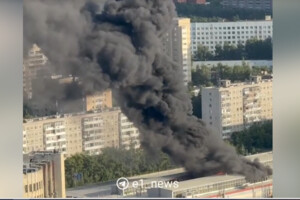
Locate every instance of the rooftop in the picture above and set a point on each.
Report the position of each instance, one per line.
(203, 181)
(70, 115)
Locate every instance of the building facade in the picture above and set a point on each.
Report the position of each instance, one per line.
(210, 34)
(33, 63)
(176, 44)
(129, 134)
(234, 106)
(44, 175)
(73, 126)
(75, 133)
(220, 186)
(99, 100)
(100, 130)
(55, 136)
(249, 4)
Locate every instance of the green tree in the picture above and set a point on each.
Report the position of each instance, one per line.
(256, 138)
(203, 53)
(259, 49)
(201, 76)
(112, 164)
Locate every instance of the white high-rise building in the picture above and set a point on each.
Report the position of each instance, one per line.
(210, 34)
(177, 45)
(234, 106)
(32, 64)
(129, 134)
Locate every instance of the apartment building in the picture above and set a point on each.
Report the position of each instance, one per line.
(73, 133)
(129, 134)
(210, 34)
(33, 63)
(55, 136)
(176, 44)
(100, 130)
(44, 175)
(47, 133)
(233, 106)
(249, 4)
(99, 100)
(73, 127)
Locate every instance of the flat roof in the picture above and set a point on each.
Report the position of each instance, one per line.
(203, 181)
(262, 157)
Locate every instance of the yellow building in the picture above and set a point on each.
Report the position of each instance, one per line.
(99, 100)
(73, 133)
(234, 106)
(33, 181)
(177, 43)
(44, 175)
(100, 130)
(46, 133)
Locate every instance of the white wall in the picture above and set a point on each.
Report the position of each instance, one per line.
(231, 63)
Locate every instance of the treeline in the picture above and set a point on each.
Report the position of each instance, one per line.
(208, 76)
(198, 13)
(257, 138)
(254, 49)
(113, 164)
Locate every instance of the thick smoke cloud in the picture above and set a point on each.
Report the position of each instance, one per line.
(120, 48)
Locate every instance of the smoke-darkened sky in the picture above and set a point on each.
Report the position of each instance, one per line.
(120, 48)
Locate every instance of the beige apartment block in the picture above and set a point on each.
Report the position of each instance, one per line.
(177, 45)
(80, 132)
(73, 125)
(47, 133)
(99, 100)
(73, 133)
(100, 130)
(44, 175)
(234, 106)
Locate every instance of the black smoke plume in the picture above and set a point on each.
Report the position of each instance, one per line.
(118, 45)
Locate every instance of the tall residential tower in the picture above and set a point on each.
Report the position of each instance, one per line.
(177, 45)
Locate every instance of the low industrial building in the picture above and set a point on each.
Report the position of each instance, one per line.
(220, 185)
(44, 175)
(234, 186)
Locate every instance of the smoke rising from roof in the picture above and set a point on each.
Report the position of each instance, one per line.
(120, 48)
